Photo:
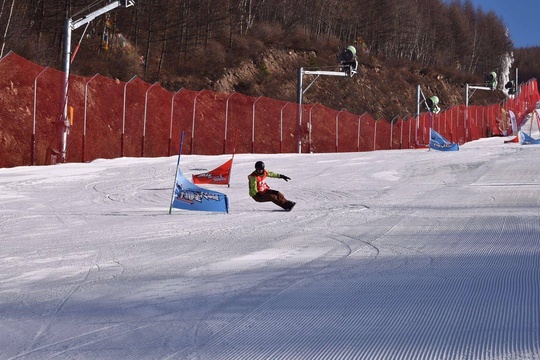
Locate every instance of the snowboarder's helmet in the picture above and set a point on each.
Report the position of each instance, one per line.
(259, 165)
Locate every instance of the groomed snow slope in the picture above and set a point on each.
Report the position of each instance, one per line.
(405, 254)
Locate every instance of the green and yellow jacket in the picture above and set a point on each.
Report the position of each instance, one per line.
(257, 183)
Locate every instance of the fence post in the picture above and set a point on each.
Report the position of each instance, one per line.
(84, 118)
(375, 136)
(416, 128)
(451, 121)
(124, 117)
(358, 141)
(401, 135)
(358, 136)
(310, 127)
(193, 123)
(253, 126)
(392, 132)
(226, 122)
(5, 56)
(170, 126)
(144, 121)
(337, 131)
(444, 122)
(281, 127)
(410, 130)
(33, 139)
(475, 124)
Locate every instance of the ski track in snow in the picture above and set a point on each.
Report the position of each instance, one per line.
(407, 254)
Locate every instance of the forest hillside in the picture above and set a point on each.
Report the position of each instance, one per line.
(256, 47)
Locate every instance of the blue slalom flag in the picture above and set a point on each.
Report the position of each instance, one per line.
(438, 142)
(188, 196)
(528, 140)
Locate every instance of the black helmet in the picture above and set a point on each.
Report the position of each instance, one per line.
(259, 165)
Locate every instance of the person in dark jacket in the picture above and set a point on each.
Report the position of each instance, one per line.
(261, 192)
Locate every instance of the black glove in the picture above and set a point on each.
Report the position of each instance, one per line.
(286, 178)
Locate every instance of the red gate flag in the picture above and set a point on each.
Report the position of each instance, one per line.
(219, 176)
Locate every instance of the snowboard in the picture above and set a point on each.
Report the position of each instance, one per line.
(292, 205)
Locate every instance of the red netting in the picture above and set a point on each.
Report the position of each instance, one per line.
(113, 119)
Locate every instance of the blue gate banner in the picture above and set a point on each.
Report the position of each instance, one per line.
(528, 140)
(188, 196)
(438, 142)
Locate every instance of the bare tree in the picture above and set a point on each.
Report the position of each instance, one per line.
(7, 25)
(177, 36)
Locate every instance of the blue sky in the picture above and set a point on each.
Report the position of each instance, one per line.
(521, 17)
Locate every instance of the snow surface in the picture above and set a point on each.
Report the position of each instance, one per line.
(401, 254)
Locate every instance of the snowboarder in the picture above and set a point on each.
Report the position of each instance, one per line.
(261, 192)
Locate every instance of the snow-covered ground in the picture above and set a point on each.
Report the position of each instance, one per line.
(404, 254)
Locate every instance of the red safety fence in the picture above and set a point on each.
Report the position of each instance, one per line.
(113, 119)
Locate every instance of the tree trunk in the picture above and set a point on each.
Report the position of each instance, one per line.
(7, 27)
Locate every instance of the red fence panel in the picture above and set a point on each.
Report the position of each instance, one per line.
(347, 125)
(383, 137)
(323, 130)
(367, 133)
(135, 118)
